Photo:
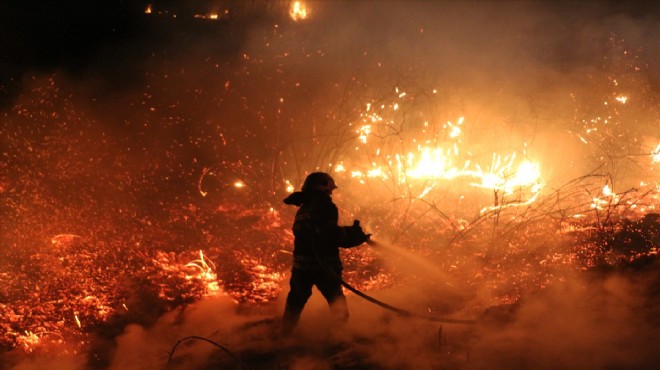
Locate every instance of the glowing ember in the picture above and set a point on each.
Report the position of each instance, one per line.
(63, 239)
(265, 284)
(363, 133)
(28, 341)
(199, 273)
(206, 274)
(289, 187)
(199, 182)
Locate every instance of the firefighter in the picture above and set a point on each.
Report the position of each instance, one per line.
(317, 239)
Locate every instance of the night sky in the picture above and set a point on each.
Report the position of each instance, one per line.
(108, 38)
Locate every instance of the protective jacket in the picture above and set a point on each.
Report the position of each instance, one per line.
(317, 233)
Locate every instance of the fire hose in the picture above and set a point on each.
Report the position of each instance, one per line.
(397, 310)
(191, 337)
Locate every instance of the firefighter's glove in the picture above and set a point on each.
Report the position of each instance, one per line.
(356, 235)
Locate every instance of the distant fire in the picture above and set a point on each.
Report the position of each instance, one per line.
(298, 10)
(213, 15)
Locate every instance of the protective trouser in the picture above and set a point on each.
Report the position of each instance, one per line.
(301, 282)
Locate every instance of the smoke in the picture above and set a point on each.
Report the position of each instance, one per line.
(601, 321)
(150, 347)
(606, 322)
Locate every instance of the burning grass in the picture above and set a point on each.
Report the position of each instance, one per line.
(68, 289)
(96, 242)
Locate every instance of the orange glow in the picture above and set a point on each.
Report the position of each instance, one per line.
(148, 9)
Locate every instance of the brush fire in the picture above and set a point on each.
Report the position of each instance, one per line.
(495, 175)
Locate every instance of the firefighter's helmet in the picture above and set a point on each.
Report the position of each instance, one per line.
(320, 181)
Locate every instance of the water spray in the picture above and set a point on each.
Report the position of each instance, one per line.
(397, 310)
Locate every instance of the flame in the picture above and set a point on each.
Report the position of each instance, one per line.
(435, 157)
(622, 99)
(455, 132)
(437, 163)
(148, 10)
(606, 198)
(298, 10)
(655, 155)
(428, 164)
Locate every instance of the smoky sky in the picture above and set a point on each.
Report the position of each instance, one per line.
(111, 38)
